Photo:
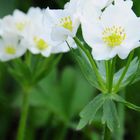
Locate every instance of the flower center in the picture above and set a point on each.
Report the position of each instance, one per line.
(20, 26)
(40, 43)
(66, 22)
(10, 49)
(114, 36)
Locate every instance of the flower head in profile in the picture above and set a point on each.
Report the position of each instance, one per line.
(63, 25)
(11, 46)
(113, 34)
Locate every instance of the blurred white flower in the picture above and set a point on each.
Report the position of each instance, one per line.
(11, 46)
(114, 33)
(17, 23)
(12, 31)
(35, 14)
(37, 38)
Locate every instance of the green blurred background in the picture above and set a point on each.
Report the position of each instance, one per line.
(54, 109)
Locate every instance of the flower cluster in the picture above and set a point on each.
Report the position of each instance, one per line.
(109, 28)
(104, 25)
(34, 32)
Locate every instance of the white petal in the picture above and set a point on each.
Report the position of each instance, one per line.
(63, 47)
(131, 28)
(101, 52)
(115, 15)
(123, 52)
(47, 52)
(92, 33)
(60, 33)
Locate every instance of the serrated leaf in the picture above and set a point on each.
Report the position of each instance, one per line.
(126, 103)
(89, 112)
(110, 116)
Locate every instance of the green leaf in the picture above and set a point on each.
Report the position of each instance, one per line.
(110, 116)
(102, 69)
(130, 75)
(137, 77)
(63, 97)
(44, 67)
(32, 73)
(89, 112)
(41, 116)
(126, 103)
(20, 71)
(86, 67)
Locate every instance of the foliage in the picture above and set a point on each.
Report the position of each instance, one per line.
(49, 116)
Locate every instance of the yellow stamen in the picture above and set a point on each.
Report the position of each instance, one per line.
(114, 36)
(10, 49)
(66, 22)
(20, 26)
(40, 43)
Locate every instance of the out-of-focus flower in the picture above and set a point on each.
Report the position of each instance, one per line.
(11, 46)
(37, 37)
(113, 34)
(17, 23)
(12, 31)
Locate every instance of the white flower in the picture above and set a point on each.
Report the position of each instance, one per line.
(92, 8)
(11, 46)
(37, 37)
(63, 25)
(17, 23)
(12, 30)
(114, 33)
(38, 41)
(73, 6)
(35, 14)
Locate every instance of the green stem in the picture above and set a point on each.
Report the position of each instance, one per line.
(110, 68)
(106, 133)
(23, 119)
(93, 63)
(107, 74)
(63, 133)
(119, 132)
(124, 72)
